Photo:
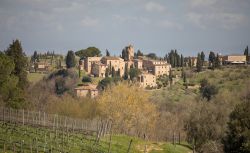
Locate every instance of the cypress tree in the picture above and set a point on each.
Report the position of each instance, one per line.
(126, 72)
(113, 72)
(70, 59)
(202, 58)
(199, 63)
(107, 72)
(107, 53)
(182, 61)
(247, 54)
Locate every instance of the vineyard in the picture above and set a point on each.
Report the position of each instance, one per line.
(24, 131)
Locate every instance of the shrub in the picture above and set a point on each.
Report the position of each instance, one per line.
(86, 79)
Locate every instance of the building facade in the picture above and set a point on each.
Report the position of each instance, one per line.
(234, 59)
(147, 80)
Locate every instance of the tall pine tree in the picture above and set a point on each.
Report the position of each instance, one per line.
(15, 51)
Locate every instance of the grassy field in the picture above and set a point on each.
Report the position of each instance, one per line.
(226, 79)
(25, 138)
(35, 77)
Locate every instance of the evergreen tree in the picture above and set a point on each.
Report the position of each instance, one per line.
(35, 57)
(247, 54)
(189, 62)
(211, 58)
(217, 61)
(199, 63)
(202, 58)
(107, 53)
(113, 72)
(182, 61)
(170, 77)
(16, 53)
(139, 53)
(70, 59)
(134, 73)
(126, 72)
(107, 71)
(119, 72)
(238, 134)
(10, 93)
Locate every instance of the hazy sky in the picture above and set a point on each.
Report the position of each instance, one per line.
(155, 26)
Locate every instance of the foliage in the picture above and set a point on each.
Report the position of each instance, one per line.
(139, 53)
(202, 58)
(10, 93)
(174, 58)
(207, 90)
(35, 57)
(134, 73)
(104, 83)
(86, 79)
(238, 134)
(126, 72)
(70, 59)
(199, 63)
(152, 56)
(206, 123)
(246, 53)
(129, 109)
(89, 52)
(15, 52)
(107, 53)
(113, 72)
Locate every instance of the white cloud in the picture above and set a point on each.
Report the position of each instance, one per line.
(154, 7)
(125, 18)
(224, 14)
(89, 22)
(202, 3)
(170, 25)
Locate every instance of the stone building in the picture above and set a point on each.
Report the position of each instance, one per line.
(234, 59)
(147, 80)
(116, 62)
(138, 64)
(86, 90)
(156, 67)
(99, 69)
(89, 61)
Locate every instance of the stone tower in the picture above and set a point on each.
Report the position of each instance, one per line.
(131, 52)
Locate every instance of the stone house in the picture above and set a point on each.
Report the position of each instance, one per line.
(99, 69)
(89, 61)
(116, 62)
(147, 80)
(156, 67)
(234, 59)
(86, 90)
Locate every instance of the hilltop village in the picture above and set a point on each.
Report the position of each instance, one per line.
(147, 71)
(140, 94)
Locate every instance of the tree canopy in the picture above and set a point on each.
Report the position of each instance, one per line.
(238, 134)
(89, 52)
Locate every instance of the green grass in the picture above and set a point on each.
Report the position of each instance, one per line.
(29, 138)
(230, 79)
(35, 77)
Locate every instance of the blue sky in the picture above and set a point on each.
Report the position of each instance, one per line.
(158, 26)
